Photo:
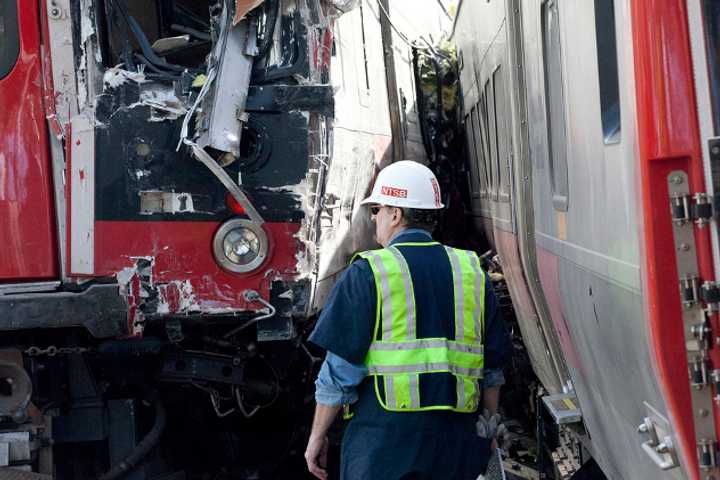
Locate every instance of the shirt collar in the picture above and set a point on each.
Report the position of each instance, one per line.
(409, 231)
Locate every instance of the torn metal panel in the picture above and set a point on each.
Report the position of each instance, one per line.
(288, 57)
(137, 288)
(89, 61)
(282, 151)
(163, 102)
(219, 123)
(344, 6)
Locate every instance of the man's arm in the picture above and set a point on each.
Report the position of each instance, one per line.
(317, 448)
(491, 399)
(334, 387)
(498, 348)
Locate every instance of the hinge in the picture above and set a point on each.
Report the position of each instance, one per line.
(699, 299)
(699, 373)
(701, 336)
(702, 210)
(699, 207)
(710, 292)
(689, 291)
(707, 457)
(715, 378)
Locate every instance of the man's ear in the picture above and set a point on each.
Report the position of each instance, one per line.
(397, 217)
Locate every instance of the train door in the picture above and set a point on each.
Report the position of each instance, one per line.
(583, 143)
(28, 240)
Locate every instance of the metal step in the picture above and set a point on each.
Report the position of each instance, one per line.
(563, 407)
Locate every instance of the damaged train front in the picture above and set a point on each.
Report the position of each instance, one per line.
(155, 331)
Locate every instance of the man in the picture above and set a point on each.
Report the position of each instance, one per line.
(413, 338)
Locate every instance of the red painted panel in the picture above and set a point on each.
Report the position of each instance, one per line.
(507, 246)
(27, 227)
(669, 139)
(182, 252)
(550, 281)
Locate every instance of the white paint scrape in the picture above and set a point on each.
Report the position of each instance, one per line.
(116, 76)
(165, 104)
(186, 297)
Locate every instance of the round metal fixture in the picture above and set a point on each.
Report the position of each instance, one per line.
(240, 245)
(15, 390)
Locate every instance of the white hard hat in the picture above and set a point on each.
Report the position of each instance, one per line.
(406, 184)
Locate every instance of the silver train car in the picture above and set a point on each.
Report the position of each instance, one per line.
(591, 136)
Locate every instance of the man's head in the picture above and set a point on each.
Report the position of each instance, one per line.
(392, 220)
(406, 195)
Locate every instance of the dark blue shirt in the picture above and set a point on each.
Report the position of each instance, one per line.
(346, 324)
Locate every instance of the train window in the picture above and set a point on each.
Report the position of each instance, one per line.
(555, 105)
(472, 157)
(608, 70)
(711, 15)
(485, 135)
(9, 36)
(479, 150)
(503, 139)
(492, 135)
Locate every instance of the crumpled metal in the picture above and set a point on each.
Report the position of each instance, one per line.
(344, 5)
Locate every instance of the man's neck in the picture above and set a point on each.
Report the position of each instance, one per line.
(402, 230)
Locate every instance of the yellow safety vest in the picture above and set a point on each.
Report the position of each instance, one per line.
(399, 357)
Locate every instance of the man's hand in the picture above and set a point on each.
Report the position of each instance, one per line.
(316, 456)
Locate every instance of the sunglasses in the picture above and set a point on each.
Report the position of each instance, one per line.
(375, 210)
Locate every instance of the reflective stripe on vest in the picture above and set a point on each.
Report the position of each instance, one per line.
(399, 357)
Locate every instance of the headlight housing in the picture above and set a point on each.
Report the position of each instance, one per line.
(240, 245)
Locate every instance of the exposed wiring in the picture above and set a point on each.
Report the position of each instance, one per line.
(215, 400)
(402, 36)
(241, 406)
(143, 41)
(276, 393)
(442, 6)
(250, 296)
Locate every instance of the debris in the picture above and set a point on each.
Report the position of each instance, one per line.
(199, 81)
(116, 76)
(163, 45)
